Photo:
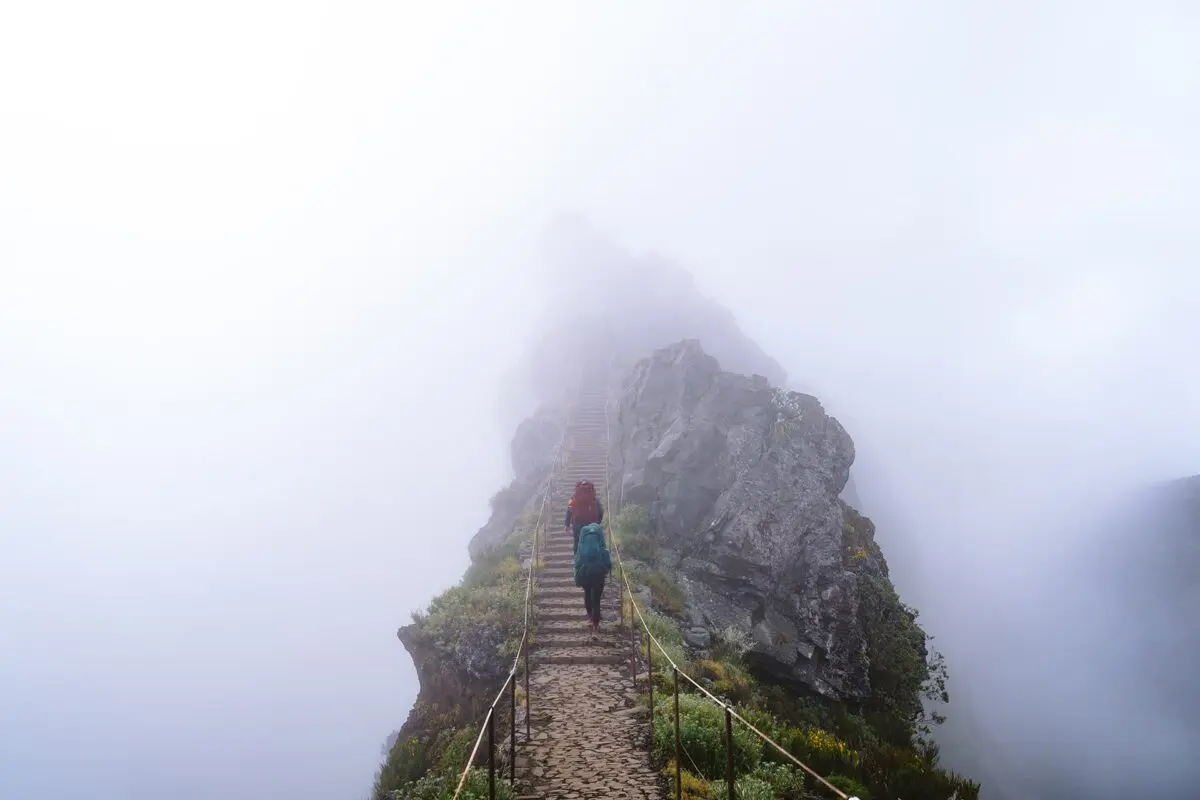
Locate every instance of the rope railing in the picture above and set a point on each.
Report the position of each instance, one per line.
(677, 673)
(488, 727)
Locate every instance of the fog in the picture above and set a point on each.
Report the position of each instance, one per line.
(265, 270)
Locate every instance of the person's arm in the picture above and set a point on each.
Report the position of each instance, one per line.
(607, 561)
(599, 510)
(567, 521)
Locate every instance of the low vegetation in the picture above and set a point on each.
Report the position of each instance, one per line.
(485, 612)
(879, 751)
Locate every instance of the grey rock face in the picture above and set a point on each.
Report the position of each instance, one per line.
(743, 482)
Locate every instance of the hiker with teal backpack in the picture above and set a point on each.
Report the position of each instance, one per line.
(592, 565)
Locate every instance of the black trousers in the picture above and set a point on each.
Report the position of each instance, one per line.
(591, 599)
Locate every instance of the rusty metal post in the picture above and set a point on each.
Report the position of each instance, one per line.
(492, 754)
(678, 741)
(729, 751)
(512, 739)
(528, 704)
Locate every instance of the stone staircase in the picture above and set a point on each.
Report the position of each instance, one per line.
(588, 738)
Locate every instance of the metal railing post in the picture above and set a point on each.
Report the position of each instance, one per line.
(678, 742)
(512, 739)
(492, 755)
(729, 751)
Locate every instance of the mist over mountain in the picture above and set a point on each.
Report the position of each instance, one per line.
(1035, 641)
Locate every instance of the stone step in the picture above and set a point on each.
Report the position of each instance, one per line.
(575, 627)
(556, 615)
(557, 583)
(579, 639)
(579, 655)
(575, 614)
(560, 592)
(573, 606)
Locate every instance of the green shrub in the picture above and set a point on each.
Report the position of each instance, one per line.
(898, 666)
(786, 781)
(441, 786)
(894, 772)
(631, 529)
(667, 632)
(457, 750)
(665, 594)
(694, 787)
(731, 643)
(821, 750)
(728, 681)
(850, 786)
(702, 734)
(747, 787)
(499, 605)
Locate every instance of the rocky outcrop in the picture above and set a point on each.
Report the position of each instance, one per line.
(743, 482)
(533, 451)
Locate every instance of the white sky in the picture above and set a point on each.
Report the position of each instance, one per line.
(262, 268)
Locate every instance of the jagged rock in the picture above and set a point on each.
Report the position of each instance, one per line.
(743, 482)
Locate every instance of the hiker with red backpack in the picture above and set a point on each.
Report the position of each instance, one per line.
(582, 509)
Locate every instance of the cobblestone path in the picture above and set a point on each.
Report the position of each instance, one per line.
(589, 740)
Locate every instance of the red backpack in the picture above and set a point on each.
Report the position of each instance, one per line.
(584, 510)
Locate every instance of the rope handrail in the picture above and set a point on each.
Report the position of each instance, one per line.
(522, 649)
(633, 604)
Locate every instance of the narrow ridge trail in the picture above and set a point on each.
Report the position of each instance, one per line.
(589, 740)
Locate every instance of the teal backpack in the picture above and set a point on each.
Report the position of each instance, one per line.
(592, 561)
